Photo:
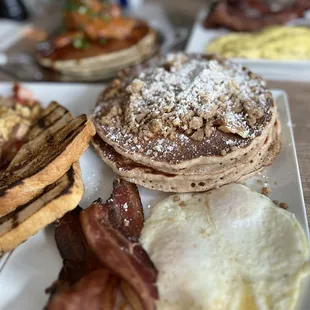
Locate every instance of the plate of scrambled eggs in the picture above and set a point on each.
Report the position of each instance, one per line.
(277, 52)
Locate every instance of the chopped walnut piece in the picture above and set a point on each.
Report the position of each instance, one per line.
(189, 131)
(112, 91)
(112, 114)
(176, 122)
(283, 205)
(251, 120)
(176, 198)
(116, 83)
(234, 129)
(198, 135)
(182, 204)
(140, 117)
(148, 134)
(237, 106)
(208, 131)
(209, 113)
(135, 86)
(265, 191)
(196, 122)
(155, 125)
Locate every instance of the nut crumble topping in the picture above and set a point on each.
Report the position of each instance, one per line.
(192, 97)
(180, 106)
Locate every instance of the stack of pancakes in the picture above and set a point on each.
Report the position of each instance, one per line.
(101, 61)
(187, 123)
(97, 42)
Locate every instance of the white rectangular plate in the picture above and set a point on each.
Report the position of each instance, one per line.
(27, 271)
(269, 69)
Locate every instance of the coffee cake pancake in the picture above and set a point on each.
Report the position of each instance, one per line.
(205, 179)
(182, 118)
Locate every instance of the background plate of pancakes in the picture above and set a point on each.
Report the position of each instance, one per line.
(26, 272)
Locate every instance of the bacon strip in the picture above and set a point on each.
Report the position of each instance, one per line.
(78, 259)
(108, 236)
(83, 283)
(125, 209)
(100, 251)
(231, 17)
(21, 93)
(95, 291)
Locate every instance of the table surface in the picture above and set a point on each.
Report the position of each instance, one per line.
(298, 93)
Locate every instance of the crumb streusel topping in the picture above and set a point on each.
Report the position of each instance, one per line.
(192, 97)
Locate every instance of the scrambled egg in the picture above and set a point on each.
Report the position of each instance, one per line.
(16, 116)
(278, 43)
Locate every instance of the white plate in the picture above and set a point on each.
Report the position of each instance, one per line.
(34, 265)
(11, 32)
(269, 69)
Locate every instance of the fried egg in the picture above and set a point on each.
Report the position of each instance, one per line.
(230, 248)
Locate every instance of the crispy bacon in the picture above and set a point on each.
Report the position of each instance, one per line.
(21, 93)
(78, 259)
(125, 209)
(297, 6)
(82, 281)
(125, 258)
(100, 250)
(95, 291)
(231, 17)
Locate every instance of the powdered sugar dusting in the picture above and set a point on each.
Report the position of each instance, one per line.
(191, 94)
(181, 107)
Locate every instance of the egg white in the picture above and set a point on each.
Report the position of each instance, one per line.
(230, 249)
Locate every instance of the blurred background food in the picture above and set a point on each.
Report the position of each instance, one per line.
(274, 30)
(96, 40)
(276, 42)
(253, 15)
(57, 31)
(66, 36)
